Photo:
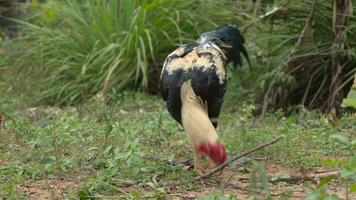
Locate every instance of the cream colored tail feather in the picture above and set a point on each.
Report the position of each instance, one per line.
(195, 119)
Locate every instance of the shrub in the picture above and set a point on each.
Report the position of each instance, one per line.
(90, 47)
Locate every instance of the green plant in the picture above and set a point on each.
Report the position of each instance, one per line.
(259, 182)
(90, 47)
(346, 176)
(108, 149)
(216, 196)
(314, 50)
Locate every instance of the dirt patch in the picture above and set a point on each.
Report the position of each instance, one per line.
(236, 183)
(48, 189)
(233, 182)
(272, 168)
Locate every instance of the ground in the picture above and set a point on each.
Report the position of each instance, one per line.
(131, 148)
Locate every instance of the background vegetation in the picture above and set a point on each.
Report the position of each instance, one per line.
(88, 47)
(77, 124)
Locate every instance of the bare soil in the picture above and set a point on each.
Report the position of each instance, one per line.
(231, 181)
(48, 189)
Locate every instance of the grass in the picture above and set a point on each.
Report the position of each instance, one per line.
(351, 99)
(90, 47)
(98, 148)
(120, 148)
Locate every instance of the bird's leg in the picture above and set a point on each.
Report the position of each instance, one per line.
(209, 163)
(197, 167)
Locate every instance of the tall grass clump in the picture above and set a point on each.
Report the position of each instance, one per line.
(309, 52)
(88, 47)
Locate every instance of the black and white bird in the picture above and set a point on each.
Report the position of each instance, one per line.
(193, 83)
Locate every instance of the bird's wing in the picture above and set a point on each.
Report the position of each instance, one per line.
(210, 83)
(205, 66)
(178, 53)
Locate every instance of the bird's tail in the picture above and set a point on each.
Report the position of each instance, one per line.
(195, 119)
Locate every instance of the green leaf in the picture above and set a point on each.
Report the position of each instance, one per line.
(352, 163)
(329, 161)
(348, 174)
(341, 138)
(109, 128)
(47, 160)
(279, 175)
(332, 197)
(318, 194)
(315, 195)
(352, 188)
(326, 180)
(152, 185)
(353, 142)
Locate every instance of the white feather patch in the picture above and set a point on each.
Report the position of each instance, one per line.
(195, 118)
(192, 60)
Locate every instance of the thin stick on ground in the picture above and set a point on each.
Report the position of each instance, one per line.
(222, 166)
(302, 178)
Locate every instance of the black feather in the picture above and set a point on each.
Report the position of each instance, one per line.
(229, 39)
(205, 66)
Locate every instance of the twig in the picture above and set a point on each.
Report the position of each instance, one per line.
(154, 178)
(116, 188)
(316, 94)
(265, 102)
(245, 27)
(186, 162)
(308, 87)
(293, 179)
(228, 181)
(307, 27)
(222, 166)
(257, 7)
(270, 13)
(237, 186)
(301, 178)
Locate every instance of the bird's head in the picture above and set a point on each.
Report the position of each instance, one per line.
(216, 151)
(229, 39)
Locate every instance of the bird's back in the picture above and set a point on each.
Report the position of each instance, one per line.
(205, 66)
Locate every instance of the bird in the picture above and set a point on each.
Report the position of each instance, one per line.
(193, 84)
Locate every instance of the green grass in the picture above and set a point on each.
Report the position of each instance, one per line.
(101, 146)
(351, 99)
(90, 47)
(71, 52)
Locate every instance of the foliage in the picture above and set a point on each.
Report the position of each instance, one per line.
(73, 50)
(347, 178)
(90, 47)
(351, 98)
(259, 185)
(314, 54)
(347, 170)
(102, 148)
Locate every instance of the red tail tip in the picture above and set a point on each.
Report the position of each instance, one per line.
(216, 151)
